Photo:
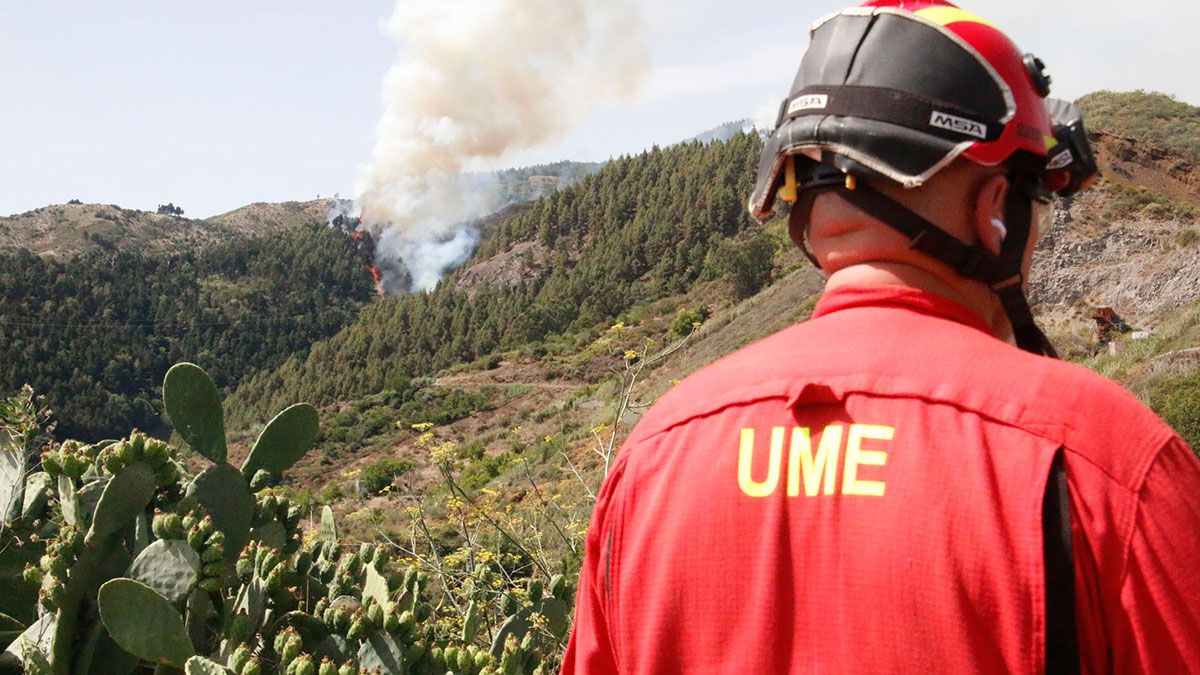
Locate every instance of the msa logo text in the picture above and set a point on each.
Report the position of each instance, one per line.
(808, 102)
(961, 125)
(1061, 160)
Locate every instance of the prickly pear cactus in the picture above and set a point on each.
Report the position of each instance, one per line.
(131, 558)
(128, 559)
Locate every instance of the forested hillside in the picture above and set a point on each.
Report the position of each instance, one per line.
(642, 228)
(95, 333)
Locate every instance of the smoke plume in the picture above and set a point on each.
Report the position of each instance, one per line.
(475, 81)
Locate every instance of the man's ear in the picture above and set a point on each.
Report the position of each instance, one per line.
(989, 211)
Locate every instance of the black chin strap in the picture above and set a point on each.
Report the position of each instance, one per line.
(1001, 273)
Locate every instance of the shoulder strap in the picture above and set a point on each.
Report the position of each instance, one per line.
(1062, 642)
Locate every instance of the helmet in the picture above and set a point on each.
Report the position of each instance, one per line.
(898, 89)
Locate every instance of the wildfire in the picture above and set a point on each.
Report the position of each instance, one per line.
(356, 235)
(378, 279)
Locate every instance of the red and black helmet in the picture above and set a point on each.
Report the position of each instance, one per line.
(900, 88)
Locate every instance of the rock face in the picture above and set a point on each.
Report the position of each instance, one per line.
(1144, 263)
(523, 262)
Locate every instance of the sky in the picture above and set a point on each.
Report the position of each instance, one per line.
(218, 104)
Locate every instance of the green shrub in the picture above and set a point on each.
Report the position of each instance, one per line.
(332, 492)
(1177, 400)
(481, 471)
(383, 472)
(688, 319)
(442, 406)
(1132, 201)
(746, 264)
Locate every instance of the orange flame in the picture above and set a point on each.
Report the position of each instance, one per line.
(356, 235)
(378, 279)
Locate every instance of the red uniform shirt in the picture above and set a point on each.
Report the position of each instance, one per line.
(862, 493)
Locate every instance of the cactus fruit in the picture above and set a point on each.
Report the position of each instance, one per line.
(288, 644)
(168, 526)
(466, 660)
(358, 629)
(240, 657)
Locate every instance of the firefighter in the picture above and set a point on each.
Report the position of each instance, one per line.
(909, 481)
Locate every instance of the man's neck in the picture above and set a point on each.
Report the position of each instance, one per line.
(973, 295)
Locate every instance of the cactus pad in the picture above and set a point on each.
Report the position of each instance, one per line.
(86, 499)
(41, 634)
(224, 494)
(272, 534)
(194, 405)
(328, 529)
(198, 665)
(12, 477)
(284, 440)
(37, 489)
(125, 496)
(144, 623)
(66, 499)
(380, 651)
(169, 567)
(376, 587)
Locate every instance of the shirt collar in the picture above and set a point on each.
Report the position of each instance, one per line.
(898, 297)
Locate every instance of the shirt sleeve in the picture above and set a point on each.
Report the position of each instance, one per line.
(1160, 629)
(590, 650)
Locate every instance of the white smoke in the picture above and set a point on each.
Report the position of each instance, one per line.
(477, 80)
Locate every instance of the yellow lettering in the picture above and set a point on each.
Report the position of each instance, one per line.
(746, 480)
(801, 460)
(856, 456)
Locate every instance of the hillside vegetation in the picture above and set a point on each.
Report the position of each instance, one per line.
(639, 230)
(1151, 117)
(95, 333)
(64, 230)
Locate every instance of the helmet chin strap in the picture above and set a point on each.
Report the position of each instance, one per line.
(1002, 273)
(1018, 215)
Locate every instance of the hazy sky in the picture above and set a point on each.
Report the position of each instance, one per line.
(212, 105)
